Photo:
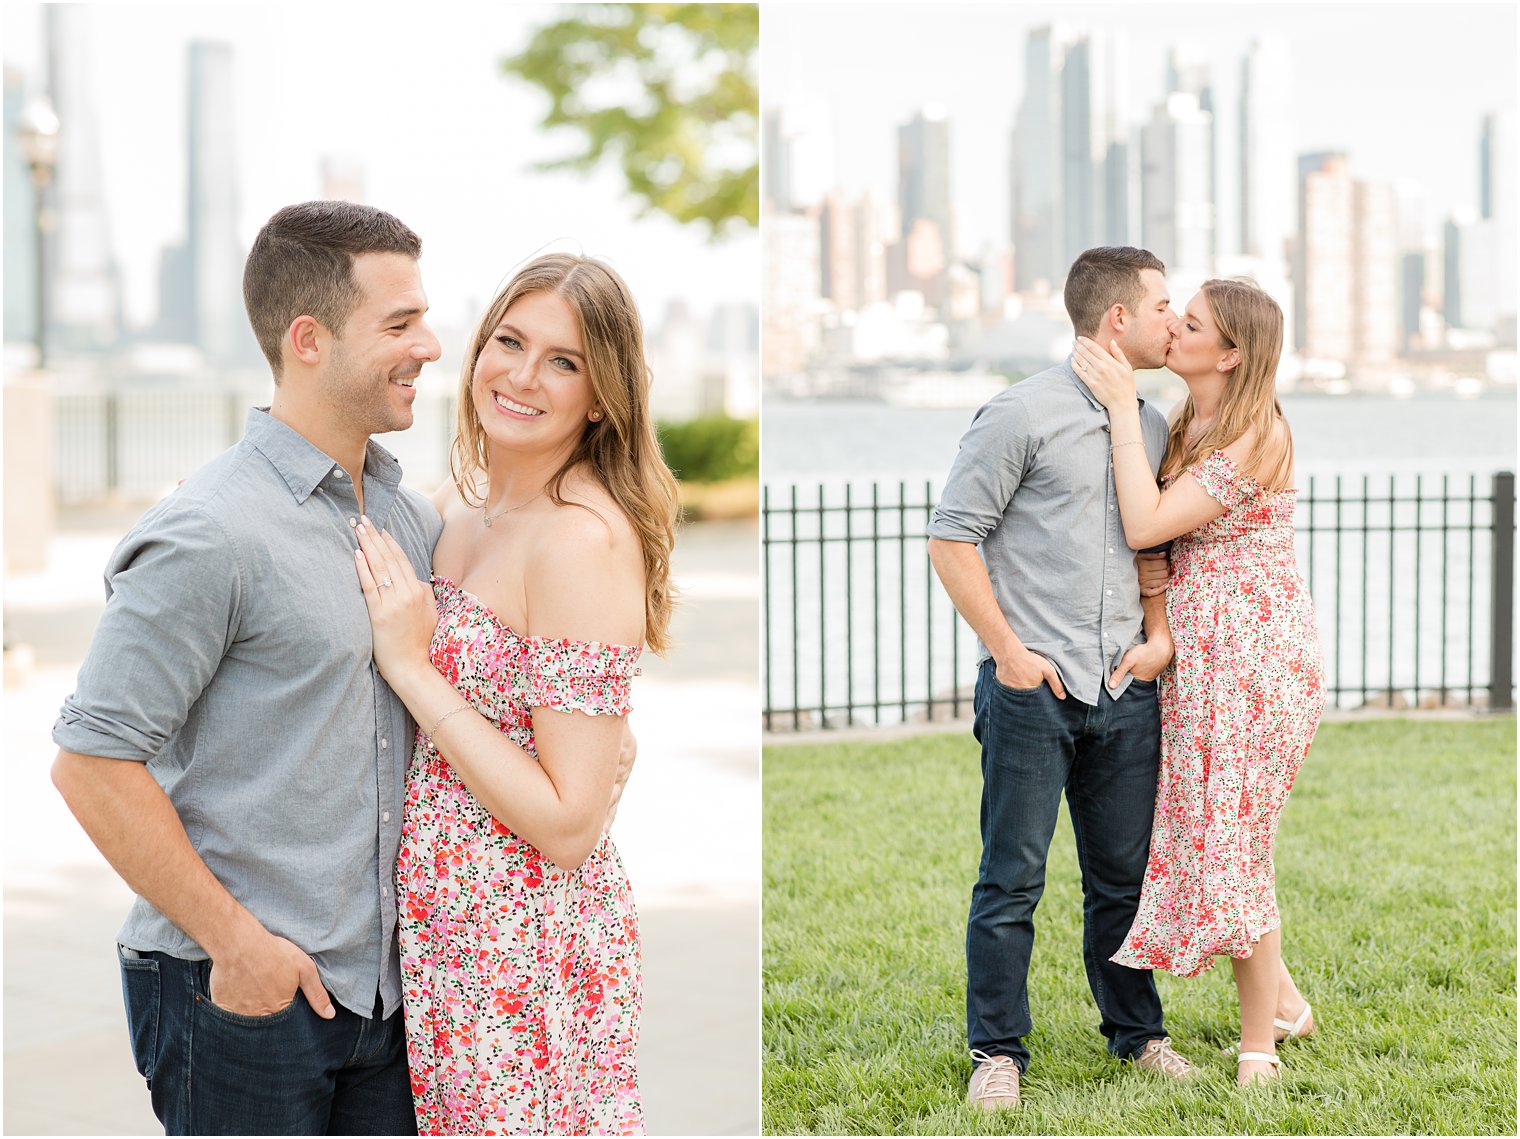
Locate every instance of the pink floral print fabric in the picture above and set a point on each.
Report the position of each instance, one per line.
(1239, 707)
(521, 980)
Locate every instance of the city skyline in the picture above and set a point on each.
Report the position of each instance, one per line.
(415, 130)
(852, 101)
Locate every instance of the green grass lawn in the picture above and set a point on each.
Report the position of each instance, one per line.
(1396, 879)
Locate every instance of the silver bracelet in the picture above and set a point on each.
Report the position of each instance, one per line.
(1130, 443)
(439, 722)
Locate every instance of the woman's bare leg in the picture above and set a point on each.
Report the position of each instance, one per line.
(1290, 1002)
(1256, 980)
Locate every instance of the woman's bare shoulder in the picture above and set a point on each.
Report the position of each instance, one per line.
(447, 498)
(593, 515)
(585, 575)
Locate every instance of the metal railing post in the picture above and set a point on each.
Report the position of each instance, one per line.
(113, 442)
(1502, 624)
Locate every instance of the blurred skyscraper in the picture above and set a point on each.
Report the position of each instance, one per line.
(1187, 72)
(1323, 273)
(839, 256)
(20, 223)
(1374, 273)
(790, 292)
(923, 175)
(216, 261)
(1349, 268)
(1037, 222)
(1497, 192)
(1176, 164)
(201, 280)
(776, 190)
(1266, 151)
(84, 313)
(1415, 269)
(1076, 172)
(1091, 85)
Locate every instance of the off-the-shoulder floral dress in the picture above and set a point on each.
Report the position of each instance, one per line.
(1239, 708)
(521, 980)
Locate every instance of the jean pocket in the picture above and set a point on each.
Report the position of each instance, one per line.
(203, 998)
(140, 990)
(1012, 691)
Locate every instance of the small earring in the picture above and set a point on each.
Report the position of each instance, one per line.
(595, 416)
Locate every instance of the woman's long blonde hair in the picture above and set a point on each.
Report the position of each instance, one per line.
(621, 449)
(1250, 320)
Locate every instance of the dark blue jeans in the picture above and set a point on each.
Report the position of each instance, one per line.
(214, 1072)
(1105, 758)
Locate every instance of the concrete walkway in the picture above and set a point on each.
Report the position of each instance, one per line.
(688, 830)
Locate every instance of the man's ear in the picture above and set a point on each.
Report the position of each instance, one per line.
(1116, 320)
(303, 339)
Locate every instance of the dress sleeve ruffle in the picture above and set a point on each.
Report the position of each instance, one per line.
(579, 676)
(1222, 480)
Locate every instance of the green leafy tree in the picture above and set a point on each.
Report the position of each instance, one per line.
(669, 91)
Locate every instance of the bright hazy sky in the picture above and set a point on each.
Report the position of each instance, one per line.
(413, 93)
(1401, 87)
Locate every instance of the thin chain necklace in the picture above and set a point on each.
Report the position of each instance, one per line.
(509, 509)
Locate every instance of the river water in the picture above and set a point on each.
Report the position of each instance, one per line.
(834, 440)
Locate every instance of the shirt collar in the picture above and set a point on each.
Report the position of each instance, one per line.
(301, 463)
(1087, 392)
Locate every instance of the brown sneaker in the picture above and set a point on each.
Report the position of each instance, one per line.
(1158, 1056)
(994, 1082)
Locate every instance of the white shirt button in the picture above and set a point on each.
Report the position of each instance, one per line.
(337, 472)
(1110, 549)
(355, 521)
(1108, 592)
(1110, 506)
(386, 890)
(384, 744)
(385, 818)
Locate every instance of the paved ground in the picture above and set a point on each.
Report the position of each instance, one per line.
(688, 829)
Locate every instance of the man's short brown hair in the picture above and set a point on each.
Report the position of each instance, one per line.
(1103, 277)
(302, 264)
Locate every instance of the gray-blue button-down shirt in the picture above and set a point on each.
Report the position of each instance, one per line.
(1033, 487)
(234, 658)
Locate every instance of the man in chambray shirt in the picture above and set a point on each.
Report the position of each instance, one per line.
(231, 748)
(1028, 542)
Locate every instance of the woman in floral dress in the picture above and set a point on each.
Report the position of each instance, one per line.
(519, 940)
(1243, 696)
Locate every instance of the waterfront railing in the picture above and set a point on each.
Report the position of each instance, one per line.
(1412, 578)
(133, 446)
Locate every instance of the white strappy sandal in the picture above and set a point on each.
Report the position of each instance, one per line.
(1265, 1058)
(1295, 1028)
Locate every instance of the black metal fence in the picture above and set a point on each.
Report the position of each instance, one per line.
(1412, 578)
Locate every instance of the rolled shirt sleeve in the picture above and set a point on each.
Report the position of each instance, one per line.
(987, 471)
(173, 590)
